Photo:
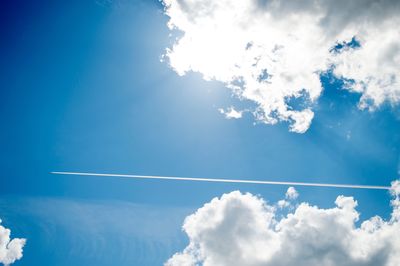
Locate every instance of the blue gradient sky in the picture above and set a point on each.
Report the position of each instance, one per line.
(83, 89)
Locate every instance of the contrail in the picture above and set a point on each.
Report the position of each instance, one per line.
(263, 182)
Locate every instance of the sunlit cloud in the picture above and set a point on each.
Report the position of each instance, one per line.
(291, 193)
(231, 113)
(10, 249)
(272, 53)
(243, 229)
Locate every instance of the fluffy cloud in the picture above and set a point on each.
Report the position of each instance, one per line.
(291, 193)
(10, 250)
(231, 113)
(272, 52)
(242, 229)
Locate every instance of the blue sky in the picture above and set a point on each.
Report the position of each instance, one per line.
(83, 89)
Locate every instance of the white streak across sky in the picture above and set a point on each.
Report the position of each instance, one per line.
(260, 182)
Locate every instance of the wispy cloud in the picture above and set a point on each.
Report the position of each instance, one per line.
(92, 232)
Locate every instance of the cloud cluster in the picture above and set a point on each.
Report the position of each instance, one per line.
(242, 229)
(272, 52)
(291, 195)
(10, 250)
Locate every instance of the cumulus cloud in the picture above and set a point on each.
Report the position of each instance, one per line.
(283, 204)
(272, 52)
(291, 193)
(10, 249)
(396, 201)
(242, 229)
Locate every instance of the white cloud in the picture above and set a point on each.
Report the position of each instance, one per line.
(271, 52)
(396, 200)
(242, 229)
(10, 249)
(291, 193)
(283, 204)
(231, 113)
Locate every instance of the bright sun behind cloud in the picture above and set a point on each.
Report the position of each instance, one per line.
(169, 132)
(272, 52)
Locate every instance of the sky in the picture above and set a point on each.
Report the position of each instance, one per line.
(196, 89)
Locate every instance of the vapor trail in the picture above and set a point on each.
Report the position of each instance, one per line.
(263, 182)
